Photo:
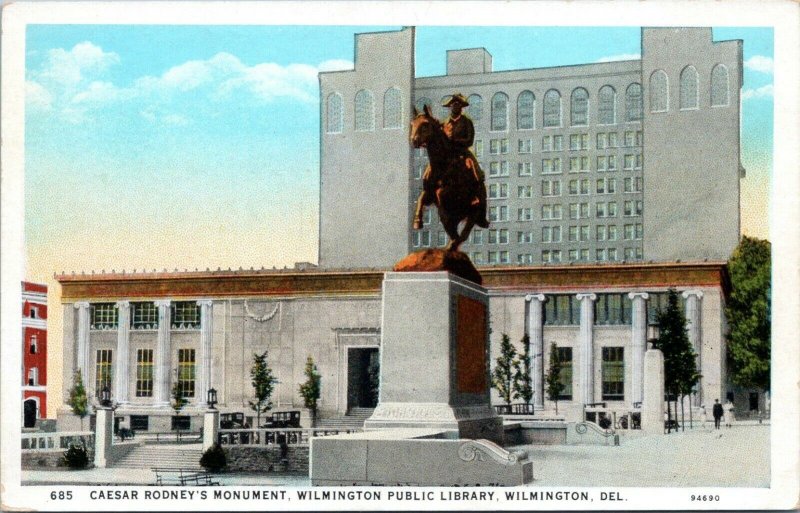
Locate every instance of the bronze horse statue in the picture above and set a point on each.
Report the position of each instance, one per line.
(447, 182)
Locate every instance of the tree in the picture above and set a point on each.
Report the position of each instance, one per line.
(178, 397)
(749, 314)
(263, 385)
(523, 372)
(310, 390)
(77, 398)
(680, 359)
(553, 383)
(503, 376)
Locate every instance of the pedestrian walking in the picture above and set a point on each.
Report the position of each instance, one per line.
(717, 412)
(730, 416)
(703, 416)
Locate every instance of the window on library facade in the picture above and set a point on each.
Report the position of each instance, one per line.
(365, 111)
(475, 109)
(334, 114)
(186, 372)
(144, 316)
(579, 107)
(633, 103)
(103, 316)
(144, 373)
(659, 91)
(657, 301)
(33, 377)
(719, 86)
(610, 309)
(613, 373)
(525, 110)
(607, 108)
(564, 355)
(562, 310)
(552, 109)
(186, 315)
(499, 112)
(102, 372)
(392, 108)
(688, 93)
(34, 344)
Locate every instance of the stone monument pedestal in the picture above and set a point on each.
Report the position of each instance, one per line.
(653, 400)
(434, 424)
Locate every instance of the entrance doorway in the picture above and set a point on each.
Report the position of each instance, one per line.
(29, 413)
(363, 372)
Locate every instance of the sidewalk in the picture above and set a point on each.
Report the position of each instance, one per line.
(145, 477)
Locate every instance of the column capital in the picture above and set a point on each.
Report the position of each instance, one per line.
(692, 292)
(81, 304)
(123, 304)
(205, 302)
(634, 295)
(586, 295)
(537, 297)
(163, 302)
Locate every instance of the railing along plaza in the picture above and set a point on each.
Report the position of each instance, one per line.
(32, 442)
(280, 436)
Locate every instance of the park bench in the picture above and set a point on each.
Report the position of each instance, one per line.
(183, 477)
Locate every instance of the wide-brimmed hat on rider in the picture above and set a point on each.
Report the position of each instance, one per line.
(458, 97)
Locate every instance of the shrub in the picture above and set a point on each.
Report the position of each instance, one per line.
(76, 456)
(214, 458)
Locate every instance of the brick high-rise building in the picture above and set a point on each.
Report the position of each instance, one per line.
(34, 353)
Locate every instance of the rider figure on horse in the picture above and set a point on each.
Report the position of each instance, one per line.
(461, 133)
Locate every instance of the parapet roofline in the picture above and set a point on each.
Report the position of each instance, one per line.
(543, 68)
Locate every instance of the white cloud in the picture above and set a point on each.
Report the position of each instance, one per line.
(176, 120)
(620, 57)
(336, 65)
(761, 92)
(101, 92)
(70, 67)
(760, 63)
(36, 96)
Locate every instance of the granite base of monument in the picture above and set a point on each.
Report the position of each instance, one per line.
(434, 418)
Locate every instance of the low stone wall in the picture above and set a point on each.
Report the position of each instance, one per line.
(267, 459)
(536, 433)
(50, 458)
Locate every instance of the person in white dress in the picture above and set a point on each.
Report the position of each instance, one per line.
(729, 413)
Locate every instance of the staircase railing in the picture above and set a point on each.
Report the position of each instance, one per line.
(286, 436)
(32, 442)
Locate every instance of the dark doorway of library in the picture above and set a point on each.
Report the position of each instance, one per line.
(29, 409)
(363, 373)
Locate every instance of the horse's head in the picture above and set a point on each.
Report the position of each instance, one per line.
(423, 127)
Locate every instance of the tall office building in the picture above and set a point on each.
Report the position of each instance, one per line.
(604, 162)
(34, 353)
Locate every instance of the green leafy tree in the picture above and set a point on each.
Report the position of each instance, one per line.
(523, 372)
(263, 385)
(77, 397)
(553, 384)
(504, 375)
(749, 314)
(311, 389)
(680, 359)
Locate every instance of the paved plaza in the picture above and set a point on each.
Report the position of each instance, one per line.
(735, 457)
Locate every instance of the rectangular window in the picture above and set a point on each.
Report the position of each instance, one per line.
(658, 301)
(612, 162)
(611, 185)
(102, 373)
(476, 237)
(572, 234)
(574, 210)
(525, 145)
(524, 258)
(612, 140)
(492, 236)
(185, 315)
(503, 146)
(547, 143)
(144, 316)
(613, 372)
(612, 309)
(525, 237)
(504, 257)
(574, 164)
(612, 254)
(573, 187)
(493, 257)
(639, 207)
(524, 214)
(144, 373)
(602, 141)
(628, 232)
(639, 161)
(104, 316)
(558, 142)
(612, 232)
(498, 191)
(556, 234)
(551, 187)
(601, 163)
(584, 233)
(574, 142)
(628, 185)
(601, 186)
(186, 372)
(181, 422)
(573, 255)
(478, 148)
(525, 168)
(441, 239)
(600, 255)
(503, 236)
(584, 255)
(565, 374)
(629, 139)
(639, 231)
(639, 138)
(628, 253)
(600, 232)
(612, 209)
(525, 191)
(627, 208)
(140, 422)
(415, 236)
(562, 310)
(494, 147)
(477, 258)
(585, 186)
(426, 238)
(627, 162)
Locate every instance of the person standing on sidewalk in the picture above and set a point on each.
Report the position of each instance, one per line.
(730, 416)
(717, 412)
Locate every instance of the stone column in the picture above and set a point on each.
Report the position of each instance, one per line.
(587, 347)
(536, 334)
(204, 371)
(638, 343)
(82, 351)
(163, 357)
(653, 402)
(210, 428)
(122, 362)
(693, 298)
(103, 436)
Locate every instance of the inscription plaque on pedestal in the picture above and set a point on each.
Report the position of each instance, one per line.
(471, 346)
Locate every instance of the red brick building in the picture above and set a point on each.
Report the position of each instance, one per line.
(34, 353)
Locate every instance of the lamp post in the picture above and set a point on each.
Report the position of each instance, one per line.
(105, 397)
(211, 398)
(210, 420)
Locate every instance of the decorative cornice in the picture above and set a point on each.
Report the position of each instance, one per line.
(634, 295)
(590, 295)
(537, 297)
(693, 292)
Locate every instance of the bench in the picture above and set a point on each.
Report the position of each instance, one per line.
(183, 477)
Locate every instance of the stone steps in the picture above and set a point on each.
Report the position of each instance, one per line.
(149, 456)
(353, 420)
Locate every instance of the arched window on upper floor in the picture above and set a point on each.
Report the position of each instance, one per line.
(579, 107)
(475, 109)
(333, 120)
(552, 109)
(607, 103)
(659, 91)
(633, 102)
(526, 110)
(422, 102)
(499, 112)
(365, 111)
(392, 108)
(720, 91)
(688, 98)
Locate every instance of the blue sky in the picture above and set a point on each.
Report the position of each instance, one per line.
(198, 145)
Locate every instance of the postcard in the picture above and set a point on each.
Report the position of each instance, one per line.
(400, 256)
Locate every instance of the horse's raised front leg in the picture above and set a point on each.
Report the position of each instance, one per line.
(460, 238)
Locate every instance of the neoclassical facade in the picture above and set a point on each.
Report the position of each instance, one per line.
(141, 334)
